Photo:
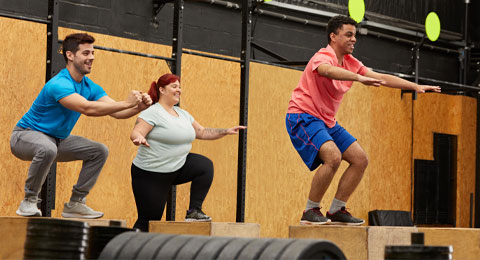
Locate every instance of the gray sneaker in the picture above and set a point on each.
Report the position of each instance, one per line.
(28, 207)
(197, 215)
(75, 209)
(313, 217)
(343, 217)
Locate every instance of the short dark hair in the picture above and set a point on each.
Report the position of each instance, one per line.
(336, 22)
(72, 41)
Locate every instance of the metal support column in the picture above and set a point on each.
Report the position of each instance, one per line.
(466, 58)
(477, 169)
(244, 80)
(48, 189)
(415, 60)
(416, 55)
(175, 68)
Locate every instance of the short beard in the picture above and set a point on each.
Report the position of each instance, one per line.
(80, 69)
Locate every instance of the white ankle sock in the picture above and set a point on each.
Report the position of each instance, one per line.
(311, 205)
(336, 206)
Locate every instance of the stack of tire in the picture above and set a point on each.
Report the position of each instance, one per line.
(55, 239)
(66, 239)
(133, 245)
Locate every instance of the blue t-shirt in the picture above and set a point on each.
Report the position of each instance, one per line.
(47, 115)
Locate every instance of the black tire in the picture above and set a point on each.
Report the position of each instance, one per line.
(60, 245)
(191, 249)
(312, 249)
(254, 249)
(112, 249)
(52, 255)
(233, 248)
(52, 238)
(98, 238)
(170, 249)
(151, 248)
(212, 248)
(276, 248)
(133, 247)
(56, 223)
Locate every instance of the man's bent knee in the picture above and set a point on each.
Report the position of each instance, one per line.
(361, 161)
(102, 151)
(46, 153)
(330, 155)
(332, 160)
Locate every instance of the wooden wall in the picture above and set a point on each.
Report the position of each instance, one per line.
(22, 71)
(455, 115)
(277, 180)
(211, 93)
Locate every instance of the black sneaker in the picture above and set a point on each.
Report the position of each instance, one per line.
(313, 217)
(343, 217)
(197, 215)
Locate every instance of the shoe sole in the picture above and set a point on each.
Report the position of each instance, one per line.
(36, 214)
(346, 223)
(197, 220)
(75, 215)
(308, 223)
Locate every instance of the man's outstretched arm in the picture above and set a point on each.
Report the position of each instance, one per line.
(338, 73)
(129, 112)
(104, 106)
(396, 82)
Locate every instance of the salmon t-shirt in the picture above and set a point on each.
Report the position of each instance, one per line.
(320, 96)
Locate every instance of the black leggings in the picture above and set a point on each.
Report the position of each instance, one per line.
(151, 188)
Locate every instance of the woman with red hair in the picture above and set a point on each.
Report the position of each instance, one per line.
(164, 133)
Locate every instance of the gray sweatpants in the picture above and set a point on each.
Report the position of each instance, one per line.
(44, 150)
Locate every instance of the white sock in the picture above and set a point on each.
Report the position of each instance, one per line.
(311, 205)
(336, 206)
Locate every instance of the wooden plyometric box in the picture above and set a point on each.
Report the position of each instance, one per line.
(357, 242)
(465, 241)
(226, 229)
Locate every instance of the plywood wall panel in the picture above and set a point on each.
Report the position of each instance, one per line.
(211, 94)
(455, 115)
(22, 73)
(277, 180)
(390, 150)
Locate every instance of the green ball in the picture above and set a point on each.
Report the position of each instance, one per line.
(432, 26)
(356, 9)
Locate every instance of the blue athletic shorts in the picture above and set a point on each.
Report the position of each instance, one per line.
(308, 133)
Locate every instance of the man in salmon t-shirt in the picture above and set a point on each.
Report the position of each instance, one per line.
(312, 126)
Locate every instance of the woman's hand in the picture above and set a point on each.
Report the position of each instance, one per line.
(234, 130)
(140, 140)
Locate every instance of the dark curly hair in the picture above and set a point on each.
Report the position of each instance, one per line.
(336, 22)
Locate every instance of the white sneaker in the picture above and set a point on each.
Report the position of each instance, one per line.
(28, 207)
(75, 209)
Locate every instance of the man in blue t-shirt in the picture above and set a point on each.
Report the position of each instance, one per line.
(43, 134)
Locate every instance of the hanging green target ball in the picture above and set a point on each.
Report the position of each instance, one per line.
(356, 9)
(432, 26)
